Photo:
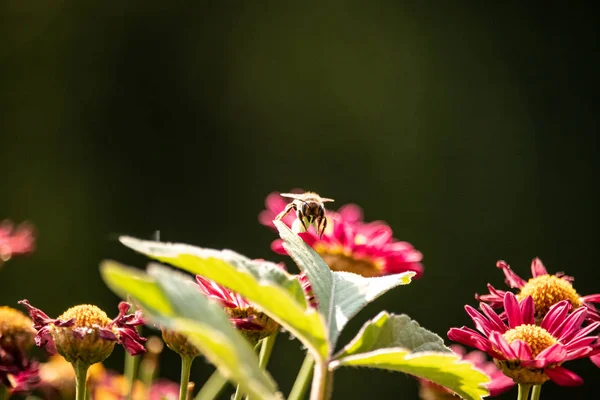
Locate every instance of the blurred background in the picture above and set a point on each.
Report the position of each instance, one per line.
(469, 128)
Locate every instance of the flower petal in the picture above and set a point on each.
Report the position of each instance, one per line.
(495, 298)
(499, 325)
(512, 280)
(512, 309)
(555, 316)
(481, 323)
(571, 324)
(522, 350)
(502, 345)
(564, 377)
(537, 268)
(468, 337)
(528, 310)
(553, 354)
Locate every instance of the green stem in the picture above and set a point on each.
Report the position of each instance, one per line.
(3, 390)
(266, 349)
(320, 386)
(535, 393)
(81, 370)
(302, 379)
(213, 386)
(238, 393)
(523, 391)
(186, 366)
(130, 372)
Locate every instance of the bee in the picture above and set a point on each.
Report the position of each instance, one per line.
(309, 208)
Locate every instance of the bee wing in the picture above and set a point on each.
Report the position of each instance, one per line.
(325, 200)
(297, 196)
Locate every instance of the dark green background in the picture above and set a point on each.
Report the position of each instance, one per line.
(470, 129)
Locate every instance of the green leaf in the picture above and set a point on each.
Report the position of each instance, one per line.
(202, 321)
(276, 292)
(340, 295)
(396, 343)
(126, 281)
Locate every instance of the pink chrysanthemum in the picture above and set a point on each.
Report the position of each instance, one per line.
(348, 243)
(545, 289)
(15, 241)
(528, 353)
(252, 323)
(85, 333)
(499, 383)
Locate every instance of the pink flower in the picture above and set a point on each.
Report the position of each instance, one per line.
(528, 353)
(252, 323)
(545, 289)
(15, 241)
(86, 333)
(348, 243)
(163, 389)
(499, 383)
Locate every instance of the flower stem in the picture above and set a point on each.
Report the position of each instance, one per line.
(266, 349)
(321, 384)
(213, 386)
(535, 393)
(3, 390)
(523, 391)
(238, 393)
(130, 369)
(81, 370)
(186, 366)
(302, 379)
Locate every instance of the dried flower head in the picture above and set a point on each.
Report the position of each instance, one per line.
(546, 290)
(17, 372)
(254, 324)
(179, 343)
(348, 243)
(529, 353)
(84, 333)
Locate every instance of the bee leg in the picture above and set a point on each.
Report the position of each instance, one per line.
(300, 218)
(287, 209)
(322, 225)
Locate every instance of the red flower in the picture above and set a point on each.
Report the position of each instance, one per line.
(350, 244)
(15, 241)
(85, 332)
(528, 353)
(252, 323)
(545, 289)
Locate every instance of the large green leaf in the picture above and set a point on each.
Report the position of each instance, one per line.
(340, 295)
(126, 281)
(396, 343)
(276, 292)
(203, 322)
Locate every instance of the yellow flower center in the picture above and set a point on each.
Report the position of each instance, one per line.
(86, 315)
(538, 339)
(548, 290)
(339, 259)
(16, 329)
(535, 336)
(14, 322)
